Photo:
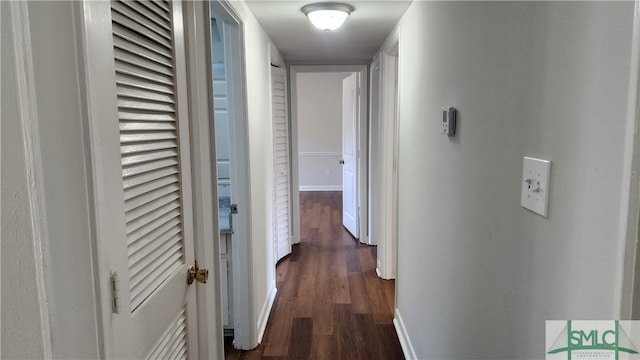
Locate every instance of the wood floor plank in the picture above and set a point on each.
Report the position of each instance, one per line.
(345, 332)
(352, 260)
(281, 270)
(339, 280)
(307, 286)
(389, 343)
(330, 302)
(324, 224)
(301, 339)
(314, 222)
(324, 347)
(366, 336)
(324, 324)
(367, 261)
(290, 287)
(255, 354)
(336, 217)
(389, 289)
(280, 329)
(377, 301)
(359, 297)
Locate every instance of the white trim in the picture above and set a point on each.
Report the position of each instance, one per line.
(373, 160)
(388, 158)
(31, 141)
(209, 302)
(403, 336)
(320, 188)
(319, 153)
(242, 266)
(628, 291)
(266, 310)
(363, 82)
(94, 32)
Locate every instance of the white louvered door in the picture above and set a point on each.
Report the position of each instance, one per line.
(156, 317)
(282, 192)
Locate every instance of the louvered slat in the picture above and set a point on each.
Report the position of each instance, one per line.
(146, 136)
(144, 60)
(143, 158)
(130, 40)
(281, 159)
(152, 216)
(126, 80)
(150, 196)
(163, 4)
(172, 345)
(142, 116)
(139, 72)
(145, 85)
(159, 183)
(144, 285)
(135, 182)
(155, 17)
(140, 25)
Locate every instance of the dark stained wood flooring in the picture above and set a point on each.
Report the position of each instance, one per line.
(330, 302)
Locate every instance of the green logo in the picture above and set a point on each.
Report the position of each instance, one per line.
(580, 340)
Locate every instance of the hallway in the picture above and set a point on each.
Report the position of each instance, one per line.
(330, 302)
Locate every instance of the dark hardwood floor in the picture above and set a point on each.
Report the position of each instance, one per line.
(330, 302)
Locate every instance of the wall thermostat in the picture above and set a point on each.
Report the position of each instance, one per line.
(448, 121)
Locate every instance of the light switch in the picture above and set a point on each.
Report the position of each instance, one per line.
(535, 185)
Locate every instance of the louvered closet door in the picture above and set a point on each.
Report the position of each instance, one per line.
(282, 200)
(156, 318)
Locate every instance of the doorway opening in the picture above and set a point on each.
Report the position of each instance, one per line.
(231, 168)
(329, 140)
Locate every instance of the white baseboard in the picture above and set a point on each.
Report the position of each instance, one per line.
(266, 310)
(320, 187)
(383, 274)
(403, 336)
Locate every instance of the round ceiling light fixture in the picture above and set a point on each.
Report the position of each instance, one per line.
(327, 16)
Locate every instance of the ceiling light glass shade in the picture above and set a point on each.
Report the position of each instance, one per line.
(327, 16)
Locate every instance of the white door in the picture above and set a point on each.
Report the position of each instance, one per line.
(155, 310)
(350, 154)
(282, 200)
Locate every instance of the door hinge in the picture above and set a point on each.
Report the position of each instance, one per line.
(358, 91)
(115, 292)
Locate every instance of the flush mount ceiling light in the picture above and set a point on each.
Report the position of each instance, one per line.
(327, 16)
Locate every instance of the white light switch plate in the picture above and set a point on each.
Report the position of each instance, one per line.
(535, 185)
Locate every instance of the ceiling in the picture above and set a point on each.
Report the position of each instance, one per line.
(358, 39)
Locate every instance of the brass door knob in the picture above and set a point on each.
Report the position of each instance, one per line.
(199, 275)
(202, 275)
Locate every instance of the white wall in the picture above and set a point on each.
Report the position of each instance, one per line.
(257, 57)
(319, 98)
(22, 324)
(477, 274)
(69, 293)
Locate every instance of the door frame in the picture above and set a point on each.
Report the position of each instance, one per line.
(387, 145)
(241, 253)
(362, 141)
(99, 103)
